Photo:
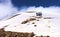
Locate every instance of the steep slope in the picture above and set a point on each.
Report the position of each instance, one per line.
(47, 24)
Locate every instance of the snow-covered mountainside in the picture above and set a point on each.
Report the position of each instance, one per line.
(47, 24)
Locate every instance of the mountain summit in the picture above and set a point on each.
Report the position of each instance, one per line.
(36, 22)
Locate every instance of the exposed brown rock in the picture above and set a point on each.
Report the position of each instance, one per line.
(24, 22)
(14, 34)
(33, 22)
(37, 20)
(17, 34)
(32, 19)
(28, 20)
(42, 36)
(2, 30)
(48, 36)
(7, 34)
(35, 25)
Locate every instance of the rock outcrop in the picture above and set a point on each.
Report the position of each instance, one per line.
(14, 34)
